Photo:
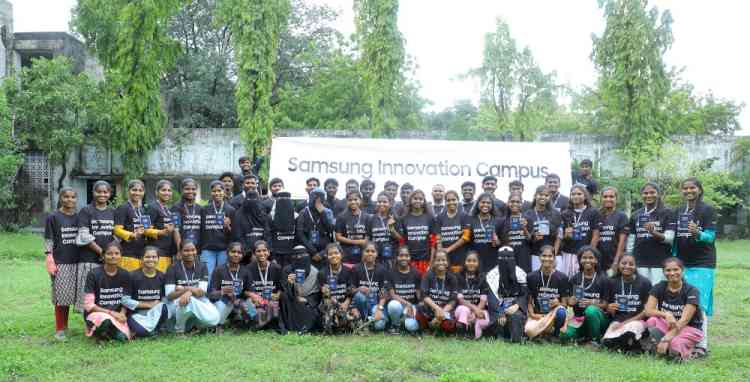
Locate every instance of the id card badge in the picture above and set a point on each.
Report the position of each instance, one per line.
(577, 232)
(332, 283)
(683, 223)
(488, 236)
(643, 220)
(622, 303)
(387, 251)
(515, 223)
(579, 293)
(146, 221)
(299, 276)
(315, 237)
(544, 304)
(237, 287)
(220, 220)
(267, 293)
(543, 227)
(177, 220)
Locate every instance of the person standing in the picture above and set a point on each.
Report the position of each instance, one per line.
(315, 227)
(489, 184)
(382, 230)
(367, 189)
(585, 177)
(131, 222)
(580, 228)
(61, 252)
(251, 224)
(95, 224)
(437, 207)
(163, 234)
(468, 189)
(545, 222)
(694, 245)
(452, 227)
(418, 232)
(484, 240)
(216, 228)
(613, 229)
(651, 234)
(187, 214)
(552, 183)
(351, 229)
(515, 232)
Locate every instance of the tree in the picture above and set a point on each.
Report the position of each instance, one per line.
(517, 97)
(10, 156)
(256, 26)
(633, 83)
(382, 59)
(130, 40)
(53, 107)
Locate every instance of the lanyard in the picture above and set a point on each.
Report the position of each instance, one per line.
(187, 211)
(577, 217)
(647, 212)
(538, 218)
(355, 225)
(235, 275)
(335, 275)
(583, 281)
(541, 275)
(263, 277)
(622, 286)
(367, 274)
(221, 209)
(136, 211)
(441, 289)
(688, 209)
(189, 279)
(482, 224)
(316, 223)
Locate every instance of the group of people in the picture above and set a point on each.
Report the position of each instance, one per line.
(555, 267)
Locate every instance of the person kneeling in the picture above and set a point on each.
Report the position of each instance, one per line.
(549, 290)
(403, 290)
(186, 288)
(265, 286)
(439, 288)
(368, 277)
(472, 299)
(229, 290)
(507, 296)
(675, 317)
(589, 300)
(300, 294)
(145, 299)
(105, 287)
(337, 312)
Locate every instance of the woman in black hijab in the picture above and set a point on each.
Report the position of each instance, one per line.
(251, 223)
(282, 228)
(505, 287)
(300, 294)
(315, 225)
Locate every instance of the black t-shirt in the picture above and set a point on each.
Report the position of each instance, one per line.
(591, 186)
(583, 223)
(510, 232)
(611, 226)
(467, 206)
(181, 276)
(689, 250)
(417, 231)
(547, 222)
(188, 219)
(405, 285)
(374, 279)
(378, 232)
(269, 278)
(481, 240)
(595, 288)
(650, 252)
(632, 295)
(471, 287)
(450, 230)
(675, 302)
(144, 288)
(100, 224)
(130, 217)
(554, 286)
(223, 277)
(500, 208)
(559, 202)
(108, 290)
(213, 235)
(62, 229)
(160, 217)
(353, 228)
(343, 284)
(442, 291)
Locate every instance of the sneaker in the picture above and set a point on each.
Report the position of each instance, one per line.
(699, 353)
(60, 336)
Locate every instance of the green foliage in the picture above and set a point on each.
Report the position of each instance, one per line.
(633, 83)
(256, 26)
(10, 156)
(130, 39)
(688, 113)
(53, 108)
(382, 59)
(518, 99)
(198, 90)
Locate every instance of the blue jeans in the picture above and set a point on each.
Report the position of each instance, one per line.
(396, 311)
(213, 259)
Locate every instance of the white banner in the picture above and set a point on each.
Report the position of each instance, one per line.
(423, 163)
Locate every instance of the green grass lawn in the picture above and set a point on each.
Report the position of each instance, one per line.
(27, 351)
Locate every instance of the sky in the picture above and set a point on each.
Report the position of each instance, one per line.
(445, 38)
